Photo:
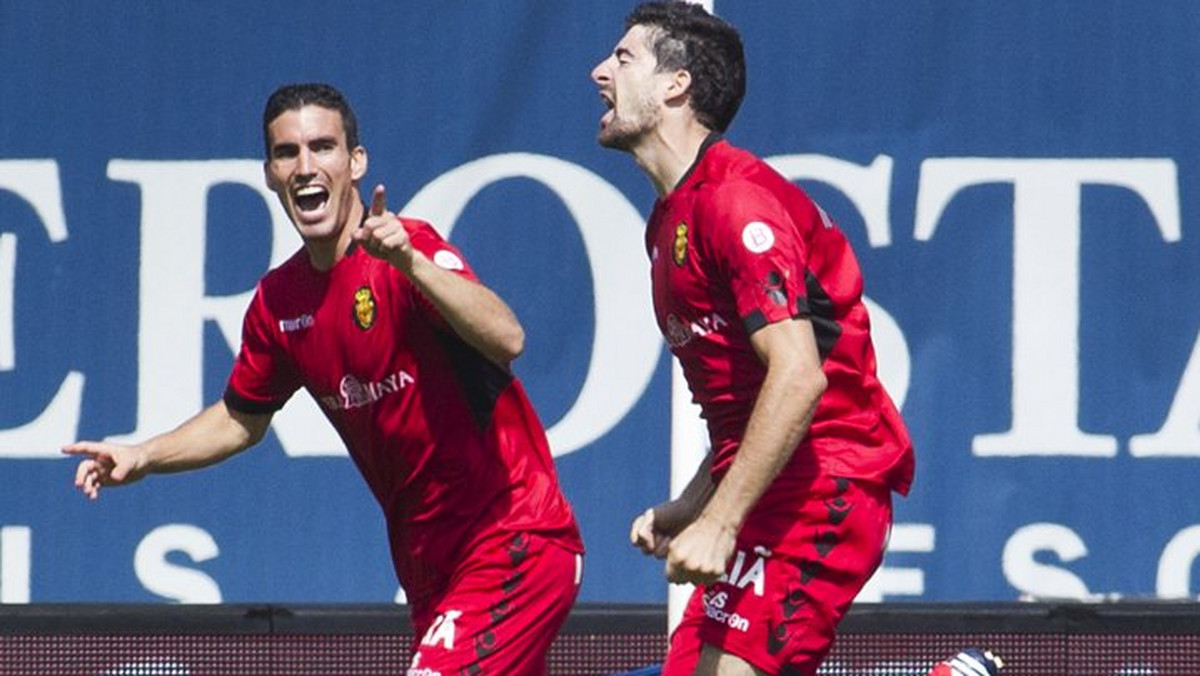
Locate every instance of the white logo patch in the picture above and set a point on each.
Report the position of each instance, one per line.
(446, 259)
(757, 236)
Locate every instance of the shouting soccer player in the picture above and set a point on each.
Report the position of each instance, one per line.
(759, 296)
(408, 354)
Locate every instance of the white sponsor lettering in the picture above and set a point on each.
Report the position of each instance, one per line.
(36, 182)
(415, 668)
(1045, 347)
(1046, 240)
(1036, 579)
(1175, 565)
(354, 393)
(681, 332)
(442, 630)
(301, 322)
(172, 581)
(740, 576)
(714, 609)
(892, 581)
(16, 555)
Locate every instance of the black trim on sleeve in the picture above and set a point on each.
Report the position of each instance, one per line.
(818, 306)
(754, 321)
(237, 402)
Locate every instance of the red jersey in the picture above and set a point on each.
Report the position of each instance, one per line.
(447, 440)
(737, 246)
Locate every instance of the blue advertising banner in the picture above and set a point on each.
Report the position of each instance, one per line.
(1020, 181)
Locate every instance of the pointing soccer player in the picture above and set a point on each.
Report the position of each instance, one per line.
(408, 354)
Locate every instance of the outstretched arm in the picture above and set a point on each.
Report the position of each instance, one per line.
(210, 437)
(782, 413)
(474, 311)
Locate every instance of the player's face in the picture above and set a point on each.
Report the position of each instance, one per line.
(632, 89)
(312, 171)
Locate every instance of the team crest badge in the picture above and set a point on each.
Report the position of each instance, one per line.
(681, 236)
(364, 308)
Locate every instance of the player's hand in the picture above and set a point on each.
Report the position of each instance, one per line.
(654, 528)
(382, 234)
(645, 535)
(700, 552)
(105, 464)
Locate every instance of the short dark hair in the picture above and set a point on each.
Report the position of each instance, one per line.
(689, 38)
(296, 96)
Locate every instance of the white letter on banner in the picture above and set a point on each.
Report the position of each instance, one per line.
(1180, 434)
(166, 579)
(868, 188)
(1046, 236)
(172, 306)
(15, 563)
(889, 581)
(1175, 565)
(626, 346)
(8, 280)
(35, 181)
(1022, 570)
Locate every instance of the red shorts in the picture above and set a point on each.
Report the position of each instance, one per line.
(501, 610)
(779, 601)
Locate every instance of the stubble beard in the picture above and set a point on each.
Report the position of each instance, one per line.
(625, 133)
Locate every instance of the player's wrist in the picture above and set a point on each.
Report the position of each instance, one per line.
(726, 523)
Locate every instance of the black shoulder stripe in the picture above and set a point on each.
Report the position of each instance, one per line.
(237, 402)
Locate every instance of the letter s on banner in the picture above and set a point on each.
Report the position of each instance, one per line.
(160, 576)
(624, 354)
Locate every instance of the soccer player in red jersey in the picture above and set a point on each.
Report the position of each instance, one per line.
(408, 354)
(759, 296)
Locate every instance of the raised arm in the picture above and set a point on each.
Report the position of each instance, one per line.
(782, 413)
(474, 311)
(208, 438)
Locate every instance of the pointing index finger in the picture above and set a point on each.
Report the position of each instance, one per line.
(379, 201)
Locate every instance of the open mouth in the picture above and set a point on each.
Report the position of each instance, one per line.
(311, 198)
(609, 105)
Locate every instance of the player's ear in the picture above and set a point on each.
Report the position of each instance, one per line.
(358, 163)
(679, 85)
(270, 179)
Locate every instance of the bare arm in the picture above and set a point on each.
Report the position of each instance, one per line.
(213, 435)
(653, 529)
(474, 311)
(782, 413)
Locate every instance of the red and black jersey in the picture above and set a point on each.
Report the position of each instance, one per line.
(447, 440)
(737, 246)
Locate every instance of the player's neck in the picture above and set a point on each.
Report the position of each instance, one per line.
(326, 252)
(669, 151)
